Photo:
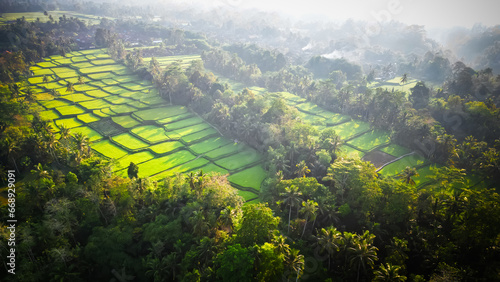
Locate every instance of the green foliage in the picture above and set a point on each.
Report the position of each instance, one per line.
(235, 264)
(133, 170)
(256, 226)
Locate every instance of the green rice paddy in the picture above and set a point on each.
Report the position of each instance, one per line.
(350, 129)
(251, 177)
(370, 140)
(394, 168)
(127, 121)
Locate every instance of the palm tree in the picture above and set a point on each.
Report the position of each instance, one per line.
(82, 144)
(206, 250)
(404, 78)
(328, 240)
(15, 89)
(64, 132)
(54, 92)
(363, 252)
(172, 264)
(40, 172)
(291, 198)
(226, 219)
(280, 244)
(309, 210)
(51, 143)
(295, 262)
(70, 88)
(389, 273)
(407, 175)
(156, 268)
(12, 148)
(29, 94)
(81, 80)
(45, 79)
(200, 225)
(302, 169)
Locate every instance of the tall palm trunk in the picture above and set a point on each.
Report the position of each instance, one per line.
(289, 216)
(304, 231)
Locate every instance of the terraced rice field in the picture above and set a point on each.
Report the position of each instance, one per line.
(361, 141)
(128, 122)
(395, 84)
(33, 16)
(184, 60)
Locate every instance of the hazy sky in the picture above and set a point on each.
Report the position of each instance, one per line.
(431, 13)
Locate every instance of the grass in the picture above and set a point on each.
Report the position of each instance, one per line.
(184, 123)
(309, 107)
(49, 115)
(108, 149)
(370, 140)
(84, 87)
(160, 164)
(351, 152)
(395, 84)
(97, 93)
(334, 118)
(166, 147)
(88, 118)
(99, 113)
(42, 72)
(191, 165)
(69, 122)
(423, 172)
(115, 89)
(101, 75)
(312, 119)
(190, 129)
(117, 100)
(228, 149)
(137, 104)
(191, 138)
(398, 166)
(239, 160)
(105, 68)
(151, 133)
(122, 109)
(349, 129)
(109, 81)
(95, 104)
(183, 60)
(250, 177)
(133, 86)
(130, 142)
(46, 65)
(209, 145)
(125, 121)
(103, 62)
(136, 158)
(33, 16)
(247, 195)
(160, 113)
(213, 168)
(87, 131)
(175, 118)
(76, 97)
(49, 104)
(395, 150)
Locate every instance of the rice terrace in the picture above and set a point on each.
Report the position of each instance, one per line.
(253, 141)
(127, 121)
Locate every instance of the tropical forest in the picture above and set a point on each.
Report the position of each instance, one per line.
(233, 140)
